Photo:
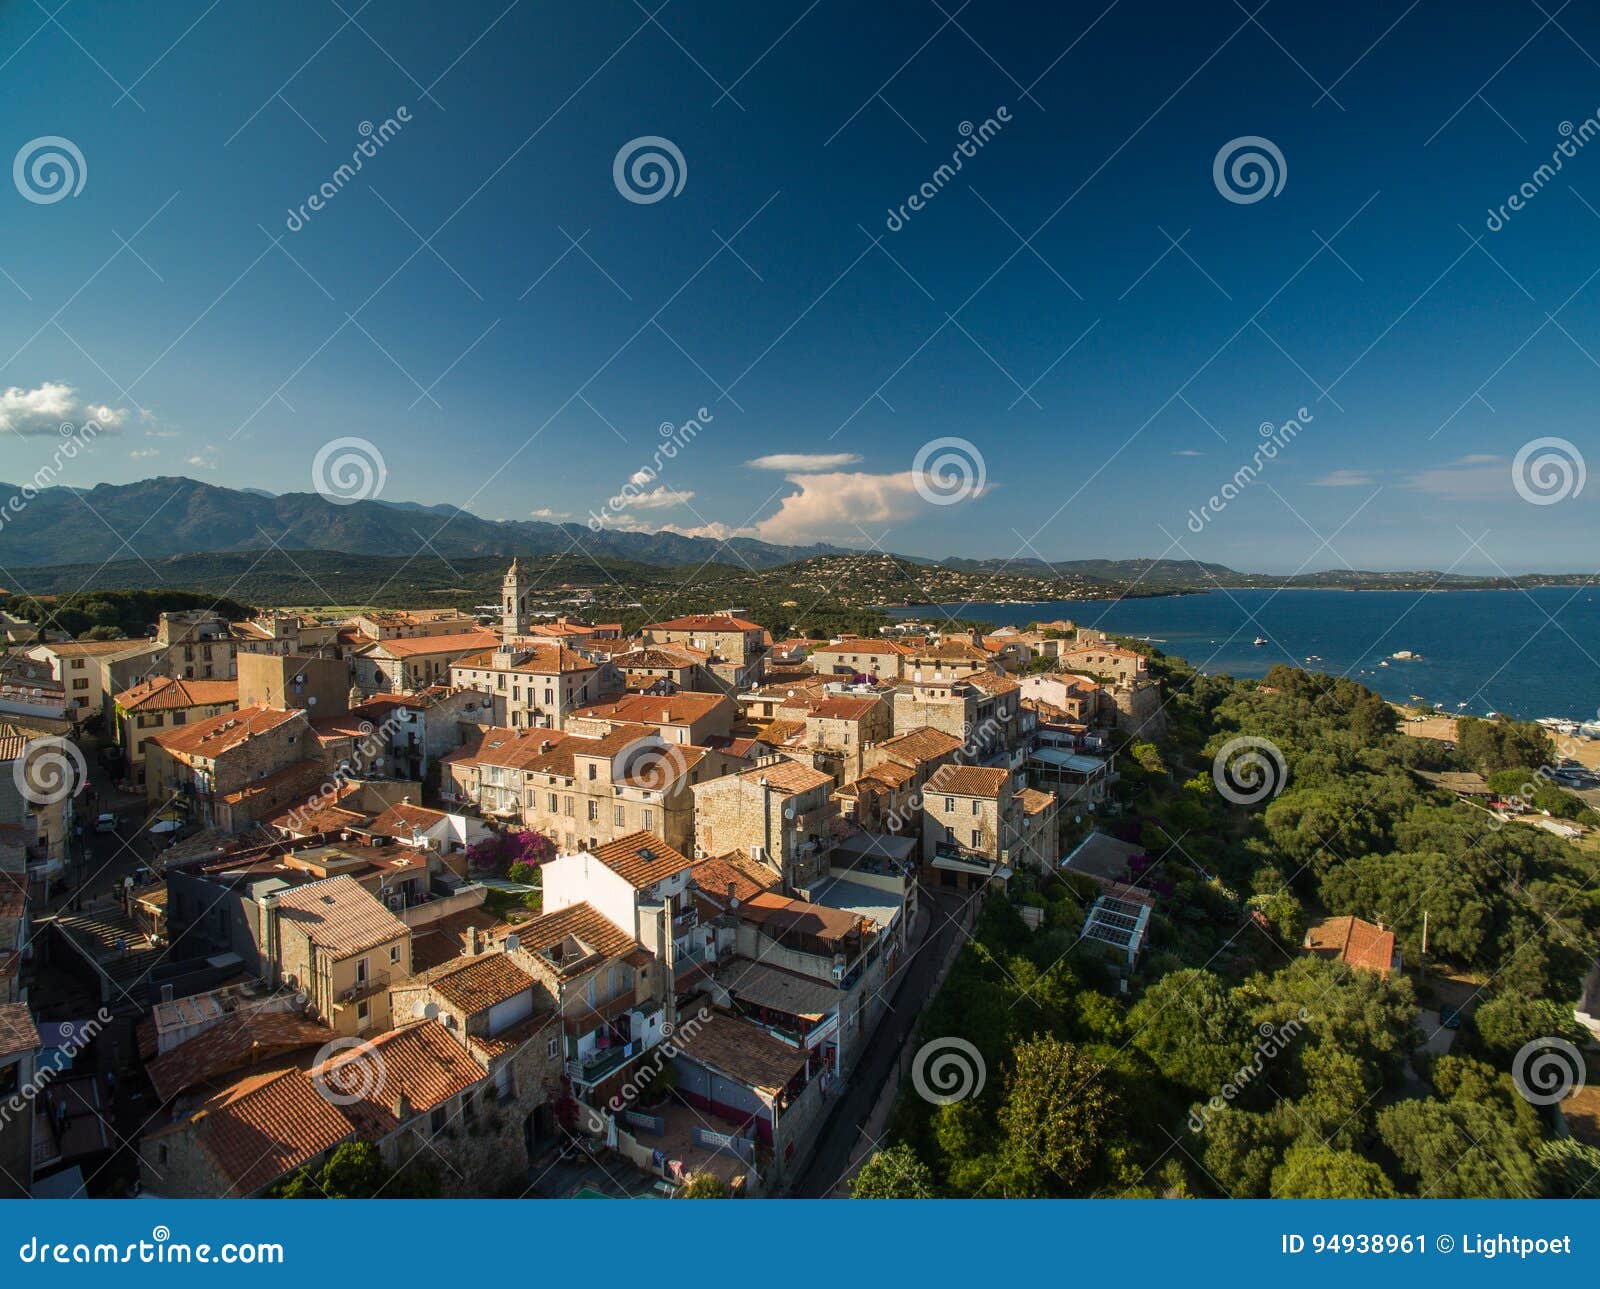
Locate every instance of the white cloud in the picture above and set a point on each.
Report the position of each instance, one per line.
(1470, 478)
(544, 512)
(204, 459)
(804, 462)
(53, 404)
(1188, 452)
(840, 504)
(1343, 479)
(141, 453)
(658, 498)
(161, 434)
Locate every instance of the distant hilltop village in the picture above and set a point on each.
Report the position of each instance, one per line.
(475, 892)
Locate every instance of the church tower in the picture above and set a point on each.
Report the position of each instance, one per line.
(515, 593)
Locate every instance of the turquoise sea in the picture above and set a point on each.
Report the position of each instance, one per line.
(1527, 654)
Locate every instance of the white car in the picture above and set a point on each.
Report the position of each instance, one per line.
(106, 823)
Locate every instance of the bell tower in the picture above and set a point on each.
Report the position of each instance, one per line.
(515, 592)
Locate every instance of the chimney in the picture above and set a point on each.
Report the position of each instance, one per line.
(472, 942)
(400, 1105)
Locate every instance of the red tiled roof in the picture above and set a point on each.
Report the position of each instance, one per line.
(1351, 940)
(477, 983)
(421, 1063)
(267, 1125)
(339, 914)
(222, 733)
(641, 859)
(705, 622)
(967, 781)
(162, 693)
(243, 1039)
(416, 646)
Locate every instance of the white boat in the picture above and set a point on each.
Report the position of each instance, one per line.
(1404, 655)
(1259, 641)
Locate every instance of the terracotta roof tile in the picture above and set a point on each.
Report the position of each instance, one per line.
(421, 1063)
(340, 915)
(265, 1126)
(162, 693)
(477, 983)
(968, 781)
(641, 859)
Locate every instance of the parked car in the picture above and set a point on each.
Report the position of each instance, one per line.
(1450, 1018)
(106, 822)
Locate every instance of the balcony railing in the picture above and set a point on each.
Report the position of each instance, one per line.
(601, 1062)
(376, 982)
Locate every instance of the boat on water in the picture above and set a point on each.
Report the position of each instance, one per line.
(1259, 641)
(1403, 655)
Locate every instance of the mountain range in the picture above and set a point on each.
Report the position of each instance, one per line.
(172, 515)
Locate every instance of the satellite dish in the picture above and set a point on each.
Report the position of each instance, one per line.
(788, 812)
(311, 700)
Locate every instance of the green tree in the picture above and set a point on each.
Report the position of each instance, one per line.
(1053, 1118)
(1568, 1169)
(1458, 1150)
(1192, 1027)
(1311, 1170)
(706, 1186)
(1508, 1020)
(895, 1173)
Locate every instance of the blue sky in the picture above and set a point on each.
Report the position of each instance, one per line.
(1110, 382)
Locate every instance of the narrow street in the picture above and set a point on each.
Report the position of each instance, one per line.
(842, 1132)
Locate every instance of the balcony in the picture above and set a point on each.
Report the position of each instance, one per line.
(375, 983)
(591, 1069)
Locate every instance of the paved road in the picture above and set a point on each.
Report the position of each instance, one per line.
(842, 1131)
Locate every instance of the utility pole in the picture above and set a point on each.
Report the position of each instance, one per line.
(1422, 967)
